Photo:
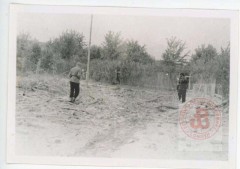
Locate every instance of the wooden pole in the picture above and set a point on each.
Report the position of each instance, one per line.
(189, 85)
(89, 46)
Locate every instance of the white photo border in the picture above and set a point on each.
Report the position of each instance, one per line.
(232, 15)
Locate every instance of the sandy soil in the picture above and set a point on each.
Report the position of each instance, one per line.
(106, 121)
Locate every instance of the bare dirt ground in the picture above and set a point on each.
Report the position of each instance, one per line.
(106, 121)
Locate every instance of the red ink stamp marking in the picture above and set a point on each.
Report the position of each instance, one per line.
(200, 118)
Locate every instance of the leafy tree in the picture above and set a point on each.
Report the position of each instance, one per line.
(223, 73)
(174, 58)
(35, 53)
(69, 44)
(174, 54)
(112, 46)
(47, 60)
(23, 45)
(95, 52)
(28, 53)
(137, 53)
(23, 51)
(204, 64)
(205, 54)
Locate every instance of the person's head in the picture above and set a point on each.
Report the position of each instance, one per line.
(182, 76)
(78, 64)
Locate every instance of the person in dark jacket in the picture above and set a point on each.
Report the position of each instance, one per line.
(182, 87)
(74, 75)
(118, 75)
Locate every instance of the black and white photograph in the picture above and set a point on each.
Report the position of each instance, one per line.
(122, 83)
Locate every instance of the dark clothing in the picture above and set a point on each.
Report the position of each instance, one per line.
(75, 75)
(182, 95)
(74, 89)
(182, 88)
(118, 78)
(182, 84)
(118, 75)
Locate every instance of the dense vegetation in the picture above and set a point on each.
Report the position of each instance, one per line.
(137, 67)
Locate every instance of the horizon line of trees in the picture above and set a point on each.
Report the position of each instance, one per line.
(58, 55)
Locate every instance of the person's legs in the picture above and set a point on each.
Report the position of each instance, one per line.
(179, 95)
(118, 79)
(71, 89)
(76, 90)
(184, 96)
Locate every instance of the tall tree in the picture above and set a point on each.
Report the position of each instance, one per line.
(112, 46)
(47, 60)
(137, 53)
(223, 73)
(95, 52)
(174, 57)
(175, 52)
(204, 64)
(69, 44)
(35, 53)
(23, 44)
(28, 52)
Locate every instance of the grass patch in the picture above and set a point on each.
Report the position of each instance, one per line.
(52, 83)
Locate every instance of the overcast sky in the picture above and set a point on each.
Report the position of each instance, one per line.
(148, 30)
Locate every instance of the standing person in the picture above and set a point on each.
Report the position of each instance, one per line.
(182, 87)
(75, 75)
(118, 75)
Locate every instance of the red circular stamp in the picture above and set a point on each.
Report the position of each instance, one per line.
(200, 118)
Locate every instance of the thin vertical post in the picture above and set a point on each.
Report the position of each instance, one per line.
(89, 46)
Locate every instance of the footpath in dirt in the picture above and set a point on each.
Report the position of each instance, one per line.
(106, 121)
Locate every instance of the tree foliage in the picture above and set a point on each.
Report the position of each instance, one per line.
(174, 54)
(96, 52)
(28, 52)
(36, 53)
(204, 63)
(69, 44)
(174, 58)
(137, 53)
(112, 46)
(23, 45)
(223, 74)
(47, 59)
(131, 59)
